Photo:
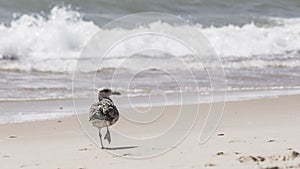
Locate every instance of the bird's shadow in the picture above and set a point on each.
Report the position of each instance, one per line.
(120, 148)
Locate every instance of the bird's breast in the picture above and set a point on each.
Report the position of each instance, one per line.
(99, 123)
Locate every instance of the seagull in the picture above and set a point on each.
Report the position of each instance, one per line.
(104, 113)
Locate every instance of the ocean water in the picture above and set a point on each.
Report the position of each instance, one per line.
(257, 41)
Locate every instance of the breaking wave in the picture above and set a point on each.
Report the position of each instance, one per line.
(52, 43)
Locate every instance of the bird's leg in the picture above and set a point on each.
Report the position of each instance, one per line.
(107, 135)
(100, 136)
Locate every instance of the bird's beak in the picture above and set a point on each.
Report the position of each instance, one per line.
(116, 93)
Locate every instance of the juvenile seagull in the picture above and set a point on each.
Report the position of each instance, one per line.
(104, 113)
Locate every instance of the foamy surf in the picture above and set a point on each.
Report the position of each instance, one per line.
(52, 43)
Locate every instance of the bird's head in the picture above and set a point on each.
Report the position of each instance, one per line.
(106, 93)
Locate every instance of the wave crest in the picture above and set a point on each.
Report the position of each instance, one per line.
(53, 43)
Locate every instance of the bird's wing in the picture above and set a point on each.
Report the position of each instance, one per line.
(96, 112)
(114, 112)
(109, 109)
(104, 110)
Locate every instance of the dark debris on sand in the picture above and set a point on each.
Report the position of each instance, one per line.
(221, 134)
(13, 136)
(83, 149)
(220, 153)
(278, 161)
(209, 165)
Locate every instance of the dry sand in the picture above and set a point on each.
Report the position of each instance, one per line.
(261, 133)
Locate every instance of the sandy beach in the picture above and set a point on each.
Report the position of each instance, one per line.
(167, 67)
(262, 133)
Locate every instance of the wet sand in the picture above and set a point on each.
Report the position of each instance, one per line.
(262, 133)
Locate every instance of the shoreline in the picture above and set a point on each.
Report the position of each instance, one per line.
(60, 108)
(267, 128)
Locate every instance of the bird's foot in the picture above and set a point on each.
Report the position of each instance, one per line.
(107, 136)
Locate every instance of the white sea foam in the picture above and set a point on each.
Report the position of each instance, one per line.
(250, 40)
(53, 43)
